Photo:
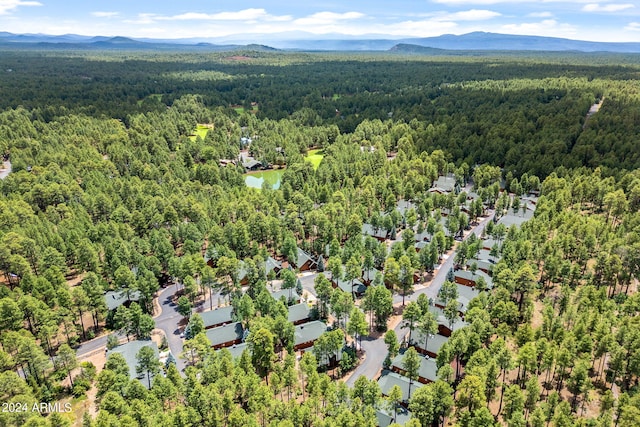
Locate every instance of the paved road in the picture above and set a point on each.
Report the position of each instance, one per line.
(167, 320)
(88, 347)
(376, 349)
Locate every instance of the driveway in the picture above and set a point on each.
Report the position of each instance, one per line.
(167, 321)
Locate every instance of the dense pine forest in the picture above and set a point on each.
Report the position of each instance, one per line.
(112, 189)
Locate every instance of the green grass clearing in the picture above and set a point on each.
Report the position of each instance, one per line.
(314, 157)
(201, 131)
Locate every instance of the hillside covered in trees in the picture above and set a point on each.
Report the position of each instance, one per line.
(110, 190)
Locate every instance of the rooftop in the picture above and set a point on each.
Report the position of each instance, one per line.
(129, 351)
(217, 316)
(389, 379)
(427, 370)
(309, 332)
(115, 299)
(225, 334)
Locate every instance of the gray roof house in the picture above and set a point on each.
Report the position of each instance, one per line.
(356, 287)
(304, 261)
(385, 417)
(225, 336)
(115, 299)
(287, 294)
(299, 313)
(434, 343)
(272, 265)
(129, 351)
(444, 184)
(217, 317)
(427, 372)
(465, 295)
(379, 233)
(389, 379)
(236, 350)
(467, 278)
(306, 334)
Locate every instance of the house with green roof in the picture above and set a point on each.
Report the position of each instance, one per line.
(306, 334)
(114, 299)
(129, 350)
(299, 313)
(303, 261)
(385, 417)
(467, 278)
(290, 295)
(226, 335)
(390, 379)
(217, 317)
(433, 344)
(427, 372)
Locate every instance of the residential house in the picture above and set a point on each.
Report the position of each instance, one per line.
(129, 351)
(427, 372)
(385, 417)
(430, 346)
(443, 185)
(272, 265)
(484, 265)
(307, 333)
(290, 295)
(465, 295)
(467, 278)
(251, 164)
(303, 261)
(217, 317)
(379, 233)
(115, 299)
(369, 275)
(354, 286)
(236, 350)
(299, 313)
(226, 335)
(390, 379)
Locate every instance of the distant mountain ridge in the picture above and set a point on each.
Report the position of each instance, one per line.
(476, 41)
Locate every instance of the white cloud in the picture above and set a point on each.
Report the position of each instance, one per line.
(143, 19)
(241, 15)
(328, 18)
(540, 15)
(547, 27)
(245, 15)
(7, 6)
(472, 15)
(613, 7)
(633, 26)
(105, 14)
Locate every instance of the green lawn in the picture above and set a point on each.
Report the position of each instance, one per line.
(314, 157)
(201, 131)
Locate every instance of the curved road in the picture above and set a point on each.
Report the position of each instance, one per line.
(167, 321)
(376, 349)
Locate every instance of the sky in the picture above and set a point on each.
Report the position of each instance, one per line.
(260, 21)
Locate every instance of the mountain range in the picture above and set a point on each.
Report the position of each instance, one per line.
(477, 41)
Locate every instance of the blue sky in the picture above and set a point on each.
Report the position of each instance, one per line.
(603, 20)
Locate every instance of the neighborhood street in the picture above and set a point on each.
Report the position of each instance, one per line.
(375, 349)
(167, 320)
